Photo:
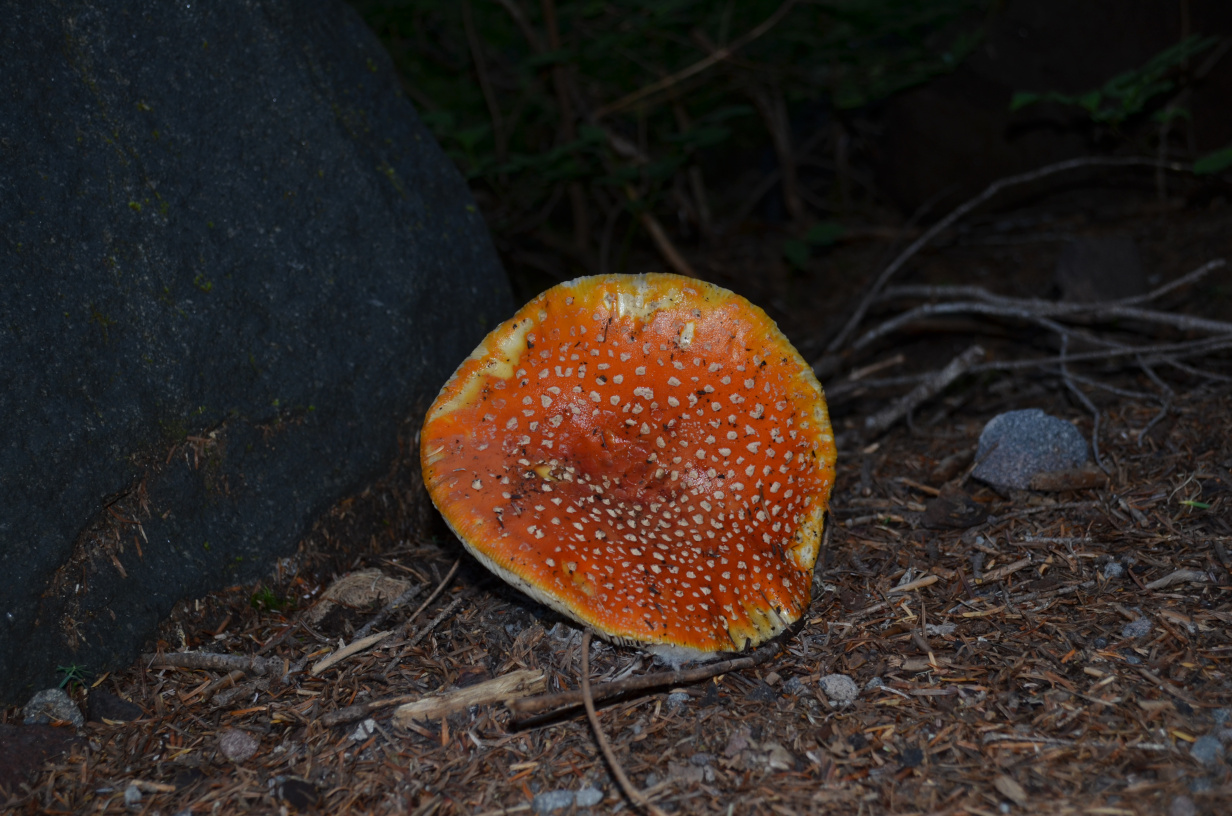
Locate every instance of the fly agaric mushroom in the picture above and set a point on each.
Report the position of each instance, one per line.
(646, 454)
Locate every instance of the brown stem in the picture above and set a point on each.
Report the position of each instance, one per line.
(661, 241)
(991, 190)
(485, 84)
(536, 706)
(568, 130)
(635, 795)
(773, 109)
(701, 65)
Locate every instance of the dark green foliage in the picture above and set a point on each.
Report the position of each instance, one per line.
(73, 675)
(1215, 162)
(266, 600)
(536, 129)
(1129, 93)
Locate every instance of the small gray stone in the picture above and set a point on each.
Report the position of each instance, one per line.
(1182, 806)
(874, 683)
(1113, 569)
(364, 730)
(839, 688)
(1136, 628)
(1026, 442)
(940, 629)
(1221, 715)
(677, 700)
(52, 705)
(588, 796)
(132, 796)
(793, 685)
(552, 801)
(1207, 749)
(237, 745)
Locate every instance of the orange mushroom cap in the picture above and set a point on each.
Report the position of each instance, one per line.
(646, 454)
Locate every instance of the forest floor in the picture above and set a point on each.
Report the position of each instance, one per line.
(1032, 652)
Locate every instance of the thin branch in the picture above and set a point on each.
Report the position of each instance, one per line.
(536, 706)
(1069, 383)
(697, 67)
(1050, 306)
(485, 84)
(432, 624)
(993, 189)
(933, 385)
(635, 795)
(390, 608)
(439, 589)
(661, 240)
(1150, 354)
(519, 19)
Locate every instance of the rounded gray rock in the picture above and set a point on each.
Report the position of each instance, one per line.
(1016, 445)
(839, 688)
(552, 801)
(1207, 749)
(51, 705)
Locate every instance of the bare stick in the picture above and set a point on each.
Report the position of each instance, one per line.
(435, 622)
(635, 796)
(390, 608)
(355, 647)
(534, 706)
(439, 589)
(945, 223)
(485, 84)
(497, 690)
(1052, 307)
(935, 384)
(1069, 383)
(663, 243)
(1154, 353)
(697, 67)
(519, 19)
(770, 105)
(215, 662)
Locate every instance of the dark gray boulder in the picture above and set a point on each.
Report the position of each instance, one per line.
(232, 264)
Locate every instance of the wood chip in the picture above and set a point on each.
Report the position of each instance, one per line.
(1010, 789)
(522, 683)
(346, 651)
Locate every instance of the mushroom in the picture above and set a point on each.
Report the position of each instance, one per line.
(646, 454)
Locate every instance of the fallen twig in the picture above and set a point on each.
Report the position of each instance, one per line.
(355, 647)
(535, 706)
(215, 662)
(935, 384)
(389, 609)
(697, 67)
(435, 622)
(497, 690)
(635, 796)
(439, 589)
(874, 291)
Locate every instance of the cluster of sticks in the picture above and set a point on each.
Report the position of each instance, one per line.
(1069, 322)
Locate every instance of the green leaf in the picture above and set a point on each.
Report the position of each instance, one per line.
(825, 233)
(1022, 99)
(796, 252)
(1215, 162)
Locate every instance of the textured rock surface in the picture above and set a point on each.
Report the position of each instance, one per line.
(228, 255)
(1016, 445)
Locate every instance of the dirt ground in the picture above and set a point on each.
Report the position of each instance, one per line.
(1037, 652)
